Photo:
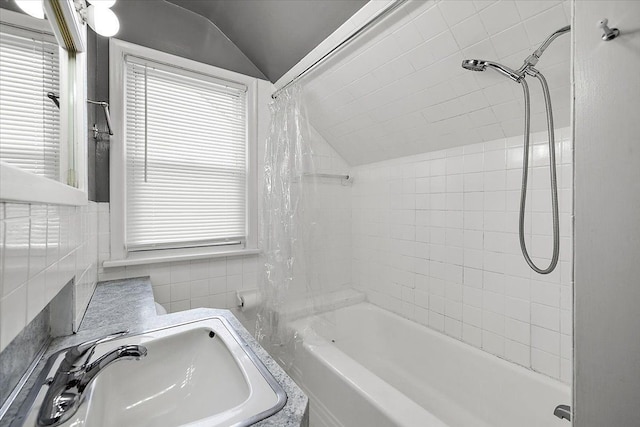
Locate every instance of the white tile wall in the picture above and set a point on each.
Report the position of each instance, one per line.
(332, 257)
(205, 283)
(400, 89)
(435, 240)
(192, 284)
(43, 247)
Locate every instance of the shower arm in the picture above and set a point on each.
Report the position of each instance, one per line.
(55, 98)
(105, 108)
(535, 56)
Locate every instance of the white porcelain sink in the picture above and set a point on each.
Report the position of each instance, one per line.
(196, 374)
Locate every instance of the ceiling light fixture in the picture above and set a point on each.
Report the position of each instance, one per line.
(32, 7)
(102, 19)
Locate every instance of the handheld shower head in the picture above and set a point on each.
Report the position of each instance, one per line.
(481, 65)
(474, 64)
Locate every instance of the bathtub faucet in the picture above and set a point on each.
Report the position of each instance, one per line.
(563, 412)
(75, 373)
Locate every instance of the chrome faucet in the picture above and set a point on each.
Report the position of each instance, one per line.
(75, 373)
(563, 412)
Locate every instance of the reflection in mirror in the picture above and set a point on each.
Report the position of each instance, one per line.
(29, 118)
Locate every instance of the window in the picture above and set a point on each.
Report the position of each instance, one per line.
(186, 151)
(29, 120)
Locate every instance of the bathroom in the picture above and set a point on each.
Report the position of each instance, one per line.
(338, 193)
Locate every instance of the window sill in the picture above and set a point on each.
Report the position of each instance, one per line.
(138, 259)
(17, 185)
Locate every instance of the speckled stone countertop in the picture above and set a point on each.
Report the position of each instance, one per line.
(128, 304)
(109, 306)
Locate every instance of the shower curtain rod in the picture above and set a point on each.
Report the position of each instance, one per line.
(377, 18)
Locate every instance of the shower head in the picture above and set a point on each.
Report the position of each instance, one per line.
(481, 65)
(474, 65)
(527, 67)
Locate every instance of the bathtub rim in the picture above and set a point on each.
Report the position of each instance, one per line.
(320, 346)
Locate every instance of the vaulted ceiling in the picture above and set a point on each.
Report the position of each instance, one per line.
(400, 90)
(275, 34)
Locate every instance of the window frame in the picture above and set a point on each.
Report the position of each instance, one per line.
(120, 256)
(17, 185)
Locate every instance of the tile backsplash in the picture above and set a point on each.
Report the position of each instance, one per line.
(42, 248)
(193, 284)
(435, 239)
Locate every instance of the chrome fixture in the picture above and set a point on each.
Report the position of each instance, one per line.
(105, 107)
(75, 373)
(535, 56)
(328, 175)
(107, 116)
(344, 179)
(481, 65)
(609, 33)
(527, 69)
(563, 412)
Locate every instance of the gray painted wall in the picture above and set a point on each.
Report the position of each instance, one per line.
(607, 217)
(97, 90)
(275, 34)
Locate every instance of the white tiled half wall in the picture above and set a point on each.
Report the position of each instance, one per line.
(185, 285)
(435, 239)
(43, 247)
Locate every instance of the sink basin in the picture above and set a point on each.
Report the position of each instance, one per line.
(196, 374)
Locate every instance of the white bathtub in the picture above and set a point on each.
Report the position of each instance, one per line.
(364, 366)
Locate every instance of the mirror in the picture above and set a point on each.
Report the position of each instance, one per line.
(30, 100)
(42, 99)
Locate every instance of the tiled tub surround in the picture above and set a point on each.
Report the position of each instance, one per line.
(295, 412)
(324, 223)
(400, 89)
(42, 248)
(435, 240)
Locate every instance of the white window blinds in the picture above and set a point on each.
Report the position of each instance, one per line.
(186, 151)
(29, 121)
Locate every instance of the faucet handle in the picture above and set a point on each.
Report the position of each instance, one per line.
(77, 357)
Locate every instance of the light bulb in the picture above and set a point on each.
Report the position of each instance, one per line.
(103, 21)
(102, 4)
(32, 7)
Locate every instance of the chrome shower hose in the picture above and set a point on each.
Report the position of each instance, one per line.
(552, 171)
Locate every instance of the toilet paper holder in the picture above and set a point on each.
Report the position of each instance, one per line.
(247, 299)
